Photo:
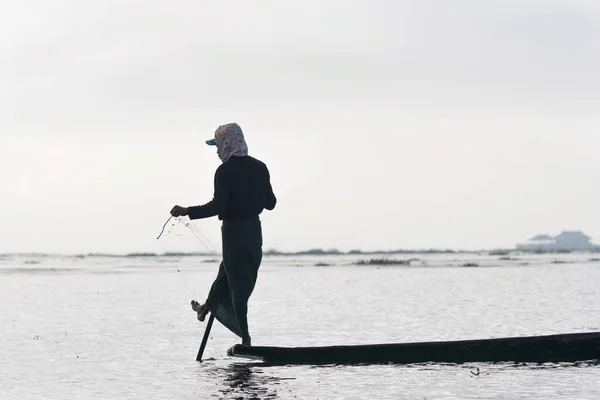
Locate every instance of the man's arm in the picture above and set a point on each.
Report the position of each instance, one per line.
(219, 202)
(271, 200)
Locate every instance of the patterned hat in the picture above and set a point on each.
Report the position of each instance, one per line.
(223, 130)
(230, 141)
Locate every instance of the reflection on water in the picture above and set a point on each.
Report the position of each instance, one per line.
(246, 381)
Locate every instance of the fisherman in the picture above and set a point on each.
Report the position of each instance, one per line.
(242, 190)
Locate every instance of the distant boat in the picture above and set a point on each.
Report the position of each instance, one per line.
(572, 347)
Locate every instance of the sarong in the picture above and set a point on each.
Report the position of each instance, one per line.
(235, 281)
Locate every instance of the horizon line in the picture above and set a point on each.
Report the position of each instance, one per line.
(315, 251)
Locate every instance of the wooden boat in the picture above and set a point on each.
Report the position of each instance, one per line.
(532, 349)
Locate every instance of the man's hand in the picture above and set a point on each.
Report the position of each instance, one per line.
(179, 211)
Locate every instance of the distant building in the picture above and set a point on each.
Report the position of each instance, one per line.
(538, 242)
(567, 240)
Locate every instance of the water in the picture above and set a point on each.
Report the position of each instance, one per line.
(122, 328)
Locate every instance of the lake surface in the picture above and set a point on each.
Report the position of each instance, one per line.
(122, 328)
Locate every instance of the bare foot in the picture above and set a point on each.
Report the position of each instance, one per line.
(201, 310)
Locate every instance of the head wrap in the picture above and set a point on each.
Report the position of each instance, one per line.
(230, 141)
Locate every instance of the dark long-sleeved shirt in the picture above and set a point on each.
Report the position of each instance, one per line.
(242, 189)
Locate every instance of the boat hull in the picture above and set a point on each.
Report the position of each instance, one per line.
(532, 349)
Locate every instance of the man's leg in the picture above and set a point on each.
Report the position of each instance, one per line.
(219, 288)
(242, 255)
(242, 264)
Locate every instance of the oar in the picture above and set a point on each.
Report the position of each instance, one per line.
(205, 338)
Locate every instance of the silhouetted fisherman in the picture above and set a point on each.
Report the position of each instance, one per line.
(242, 190)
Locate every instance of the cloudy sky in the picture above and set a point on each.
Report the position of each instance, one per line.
(385, 124)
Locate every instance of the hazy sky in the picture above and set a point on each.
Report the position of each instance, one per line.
(385, 124)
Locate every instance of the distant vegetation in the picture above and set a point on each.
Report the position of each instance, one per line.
(550, 251)
(318, 252)
(335, 252)
(559, 251)
(383, 261)
(470, 264)
(167, 254)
